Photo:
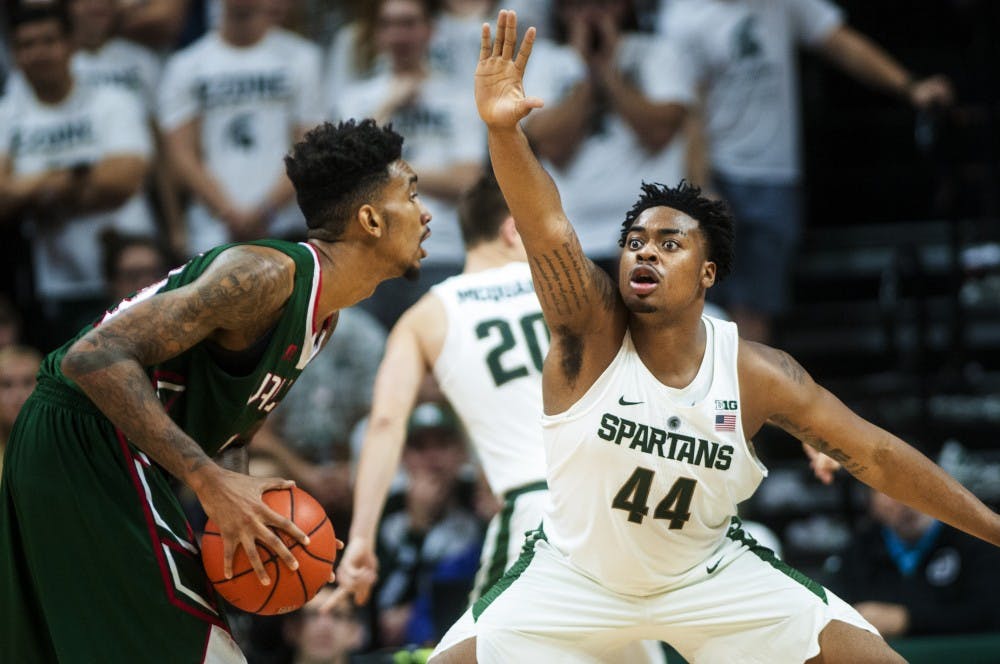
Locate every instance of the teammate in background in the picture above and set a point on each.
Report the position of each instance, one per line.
(482, 335)
(650, 408)
(181, 372)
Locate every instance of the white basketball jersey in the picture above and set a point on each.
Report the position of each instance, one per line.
(490, 368)
(644, 478)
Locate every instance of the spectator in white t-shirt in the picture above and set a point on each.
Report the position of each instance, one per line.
(445, 141)
(73, 158)
(743, 54)
(614, 99)
(231, 105)
(103, 58)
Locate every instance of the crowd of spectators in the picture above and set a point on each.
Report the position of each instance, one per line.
(134, 135)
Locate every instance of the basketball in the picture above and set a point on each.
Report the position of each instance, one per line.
(289, 589)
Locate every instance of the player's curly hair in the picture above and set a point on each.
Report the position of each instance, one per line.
(337, 168)
(713, 217)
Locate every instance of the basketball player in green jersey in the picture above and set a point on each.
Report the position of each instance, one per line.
(97, 563)
(649, 411)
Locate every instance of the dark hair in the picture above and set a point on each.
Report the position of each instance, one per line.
(337, 168)
(713, 217)
(481, 210)
(36, 12)
(114, 243)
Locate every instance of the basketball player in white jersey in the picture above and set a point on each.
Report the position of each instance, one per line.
(649, 411)
(482, 335)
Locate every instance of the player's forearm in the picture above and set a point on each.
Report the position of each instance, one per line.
(120, 388)
(380, 454)
(911, 478)
(530, 192)
(866, 61)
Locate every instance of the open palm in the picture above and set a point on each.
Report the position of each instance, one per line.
(499, 89)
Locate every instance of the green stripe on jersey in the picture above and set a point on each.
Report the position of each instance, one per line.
(515, 571)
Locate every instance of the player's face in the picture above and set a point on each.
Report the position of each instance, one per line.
(406, 219)
(663, 265)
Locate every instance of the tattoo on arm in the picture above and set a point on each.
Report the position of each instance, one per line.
(562, 281)
(785, 362)
(109, 362)
(817, 442)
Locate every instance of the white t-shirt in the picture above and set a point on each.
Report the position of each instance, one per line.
(122, 63)
(744, 54)
(249, 101)
(490, 369)
(602, 181)
(92, 123)
(441, 128)
(644, 478)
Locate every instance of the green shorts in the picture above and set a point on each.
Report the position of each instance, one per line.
(97, 561)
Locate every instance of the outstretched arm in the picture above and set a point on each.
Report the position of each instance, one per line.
(579, 301)
(779, 391)
(241, 287)
(397, 383)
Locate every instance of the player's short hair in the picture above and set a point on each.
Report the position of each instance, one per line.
(713, 217)
(336, 169)
(24, 13)
(481, 210)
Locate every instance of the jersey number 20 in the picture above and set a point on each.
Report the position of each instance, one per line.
(529, 325)
(633, 498)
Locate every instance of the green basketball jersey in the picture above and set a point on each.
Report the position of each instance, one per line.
(210, 405)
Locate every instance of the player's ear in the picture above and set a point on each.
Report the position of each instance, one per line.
(508, 232)
(370, 221)
(708, 274)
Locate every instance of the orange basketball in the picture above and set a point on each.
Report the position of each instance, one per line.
(289, 589)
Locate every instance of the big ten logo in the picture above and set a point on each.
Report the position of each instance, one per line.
(725, 405)
(269, 388)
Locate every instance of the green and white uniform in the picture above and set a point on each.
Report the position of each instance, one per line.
(641, 539)
(97, 562)
(490, 369)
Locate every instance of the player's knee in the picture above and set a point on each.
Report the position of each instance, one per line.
(841, 642)
(460, 653)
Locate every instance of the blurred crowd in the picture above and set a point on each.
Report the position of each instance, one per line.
(137, 133)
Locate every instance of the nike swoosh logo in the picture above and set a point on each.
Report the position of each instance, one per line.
(622, 402)
(713, 567)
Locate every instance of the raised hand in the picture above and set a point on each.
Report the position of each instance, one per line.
(499, 88)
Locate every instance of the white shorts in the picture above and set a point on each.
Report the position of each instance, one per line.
(519, 517)
(751, 608)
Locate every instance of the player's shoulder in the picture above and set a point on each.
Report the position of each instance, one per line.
(426, 316)
(264, 264)
(766, 368)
